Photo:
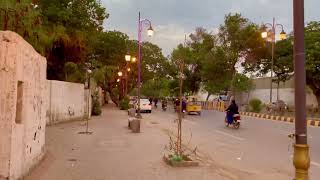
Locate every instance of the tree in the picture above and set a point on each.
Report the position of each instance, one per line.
(158, 87)
(242, 83)
(312, 38)
(284, 59)
(216, 73)
(241, 39)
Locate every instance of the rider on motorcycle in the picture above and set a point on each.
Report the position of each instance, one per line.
(164, 103)
(231, 111)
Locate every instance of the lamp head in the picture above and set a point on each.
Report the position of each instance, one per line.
(283, 35)
(150, 31)
(127, 57)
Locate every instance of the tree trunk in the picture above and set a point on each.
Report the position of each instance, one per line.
(209, 94)
(113, 97)
(317, 94)
(315, 89)
(278, 84)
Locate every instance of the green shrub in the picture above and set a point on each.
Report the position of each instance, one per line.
(96, 106)
(124, 103)
(255, 105)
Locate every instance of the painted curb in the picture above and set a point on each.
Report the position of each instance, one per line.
(315, 123)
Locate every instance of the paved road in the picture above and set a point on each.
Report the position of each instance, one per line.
(260, 147)
(259, 150)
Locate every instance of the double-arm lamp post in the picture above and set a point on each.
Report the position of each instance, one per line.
(270, 35)
(141, 22)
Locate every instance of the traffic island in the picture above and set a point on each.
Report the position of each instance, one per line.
(179, 161)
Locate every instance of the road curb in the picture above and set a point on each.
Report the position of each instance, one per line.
(310, 122)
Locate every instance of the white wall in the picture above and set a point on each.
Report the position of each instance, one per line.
(21, 142)
(285, 94)
(67, 101)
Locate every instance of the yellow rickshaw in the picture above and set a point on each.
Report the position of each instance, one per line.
(193, 105)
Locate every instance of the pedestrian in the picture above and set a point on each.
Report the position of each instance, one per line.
(155, 102)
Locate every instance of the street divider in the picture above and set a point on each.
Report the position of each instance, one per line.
(213, 105)
(310, 122)
(221, 106)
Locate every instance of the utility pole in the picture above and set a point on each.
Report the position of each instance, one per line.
(301, 159)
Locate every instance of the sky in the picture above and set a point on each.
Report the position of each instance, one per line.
(172, 19)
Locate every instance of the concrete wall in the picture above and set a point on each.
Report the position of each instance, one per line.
(23, 105)
(261, 91)
(67, 101)
(285, 94)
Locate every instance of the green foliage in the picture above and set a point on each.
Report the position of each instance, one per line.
(96, 106)
(241, 83)
(156, 88)
(176, 158)
(255, 105)
(74, 73)
(283, 62)
(124, 103)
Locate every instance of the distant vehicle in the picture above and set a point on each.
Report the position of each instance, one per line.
(144, 106)
(193, 105)
(236, 121)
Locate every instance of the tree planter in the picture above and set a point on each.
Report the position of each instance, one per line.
(185, 162)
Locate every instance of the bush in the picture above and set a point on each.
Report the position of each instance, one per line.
(124, 103)
(255, 105)
(96, 106)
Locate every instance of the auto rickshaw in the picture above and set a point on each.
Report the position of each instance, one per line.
(193, 105)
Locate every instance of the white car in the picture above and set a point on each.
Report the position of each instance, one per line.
(144, 106)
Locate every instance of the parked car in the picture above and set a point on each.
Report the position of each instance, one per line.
(145, 106)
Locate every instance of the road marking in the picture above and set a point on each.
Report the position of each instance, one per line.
(315, 164)
(230, 135)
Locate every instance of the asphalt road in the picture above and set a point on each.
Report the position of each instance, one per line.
(260, 147)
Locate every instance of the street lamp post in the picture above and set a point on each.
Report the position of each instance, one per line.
(127, 58)
(150, 33)
(301, 159)
(265, 34)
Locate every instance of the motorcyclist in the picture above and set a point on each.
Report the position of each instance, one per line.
(164, 103)
(184, 105)
(231, 111)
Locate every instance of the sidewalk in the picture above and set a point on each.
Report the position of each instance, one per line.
(112, 152)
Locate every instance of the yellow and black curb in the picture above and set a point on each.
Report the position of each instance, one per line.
(315, 123)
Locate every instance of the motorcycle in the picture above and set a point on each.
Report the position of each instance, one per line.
(236, 121)
(164, 107)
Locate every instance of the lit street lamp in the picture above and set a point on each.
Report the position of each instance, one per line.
(301, 159)
(127, 57)
(271, 36)
(133, 59)
(150, 33)
(119, 73)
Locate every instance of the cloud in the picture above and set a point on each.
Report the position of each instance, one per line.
(174, 18)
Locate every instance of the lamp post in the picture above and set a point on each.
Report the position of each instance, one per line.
(128, 59)
(150, 33)
(301, 159)
(272, 37)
